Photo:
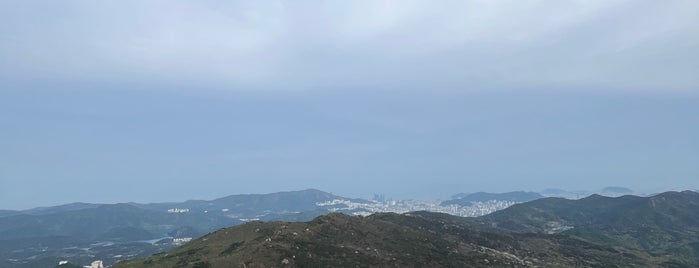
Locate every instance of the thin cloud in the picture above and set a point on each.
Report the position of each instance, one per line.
(630, 45)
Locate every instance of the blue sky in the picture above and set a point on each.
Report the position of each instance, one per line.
(116, 101)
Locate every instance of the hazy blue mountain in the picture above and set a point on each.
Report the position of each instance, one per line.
(91, 222)
(134, 228)
(254, 204)
(517, 196)
(667, 223)
(60, 208)
(459, 195)
(4, 212)
(616, 190)
(389, 240)
(553, 191)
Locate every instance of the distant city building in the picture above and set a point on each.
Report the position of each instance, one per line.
(181, 240)
(402, 206)
(379, 198)
(178, 210)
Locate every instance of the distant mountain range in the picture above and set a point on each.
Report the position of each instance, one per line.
(597, 231)
(252, 204)
(666, 223)
(606, 191)
(386, 240)
(4, 213)
(616, 190)
(82, 231)
(468, 199)
(657, 230)
(59, 208)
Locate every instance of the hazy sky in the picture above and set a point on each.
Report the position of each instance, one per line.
(114, 101)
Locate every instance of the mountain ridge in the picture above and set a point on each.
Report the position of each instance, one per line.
(386, 239)
(662, 224)
(657, 229)
(125, 227)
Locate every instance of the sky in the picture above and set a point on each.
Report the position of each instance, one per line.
(150, 101)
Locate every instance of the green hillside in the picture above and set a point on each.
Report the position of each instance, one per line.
(419, 239)
(666, 223)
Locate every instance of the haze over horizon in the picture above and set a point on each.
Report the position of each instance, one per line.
(119, 101)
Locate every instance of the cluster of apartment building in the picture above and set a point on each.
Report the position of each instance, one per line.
(475, 209)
